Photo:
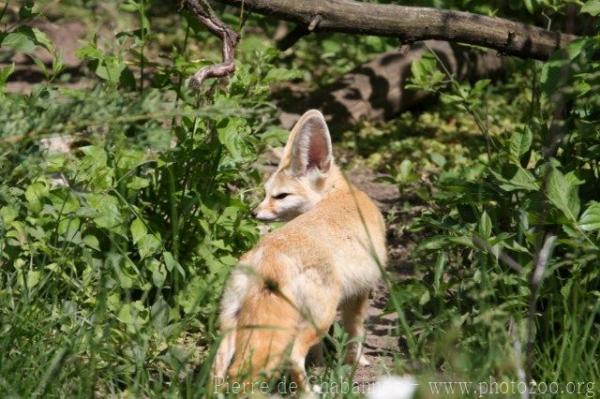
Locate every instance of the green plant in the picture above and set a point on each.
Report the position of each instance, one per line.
(113, 253)
(511, 254)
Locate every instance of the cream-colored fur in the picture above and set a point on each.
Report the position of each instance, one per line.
(284, 294)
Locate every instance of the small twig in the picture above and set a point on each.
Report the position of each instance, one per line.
(510, 262)
(299, 31)
(287, 41)
(542, 260)
(314, 23)
(204, 13)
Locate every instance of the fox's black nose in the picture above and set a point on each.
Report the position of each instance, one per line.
(254, 213)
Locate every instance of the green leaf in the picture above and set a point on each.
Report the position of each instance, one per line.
(92, 242)
(230, 132)
(58, 63)
(566, 289)
(405, 169)
(89, 52)
(107, 213)
(40, 64)
(529, 6)
(137, 183)
(125, 270)
(435, 242)
(190, 298)
(424, 298)
(148, 245)
(130, 6)
(462, 240)
(41, 39)
(8, 214)
(425, 74)
(520, 142)
(69, 229)
(134, 315)
(518, 179)
(423, 67)
(591, 7)
(562, 192)
(19, 40)
(554, 73)
(576, 47)
(172, 264)
(26, 11)
(331, 45)
(34, 194)
(64, 199)
(159, 273)
(279, 74)
(5, 73)
(438, 159)
(25, 39)
(138, 230)
(110, 69)
(590, 219)
(33, 278)
(485, 225)
(95, 156)
(159, 314)
(440, 263)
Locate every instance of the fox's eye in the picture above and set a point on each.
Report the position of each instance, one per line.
(281, 196)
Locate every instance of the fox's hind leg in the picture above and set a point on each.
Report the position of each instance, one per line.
(354, 313)
(303, 343)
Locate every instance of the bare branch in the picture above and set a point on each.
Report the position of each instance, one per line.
(412, 24)
(203, 12)
(510, 262)
(292, 37)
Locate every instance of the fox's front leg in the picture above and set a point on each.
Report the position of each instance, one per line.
(354, 313)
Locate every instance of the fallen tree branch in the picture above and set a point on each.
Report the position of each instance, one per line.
(375, 91)
(203, 12)
(412, 24)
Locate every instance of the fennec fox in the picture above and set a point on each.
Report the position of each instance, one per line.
(283, 295)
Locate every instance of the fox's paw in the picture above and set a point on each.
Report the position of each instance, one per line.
(360, 360)
(363, 361)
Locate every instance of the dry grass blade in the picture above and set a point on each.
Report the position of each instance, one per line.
(534, 286)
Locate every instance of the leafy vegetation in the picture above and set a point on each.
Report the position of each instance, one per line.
(533, 180)
(113, 254)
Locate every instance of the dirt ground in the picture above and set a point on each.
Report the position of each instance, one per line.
(66, 37)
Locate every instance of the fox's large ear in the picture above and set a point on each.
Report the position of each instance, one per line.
(309, 145)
